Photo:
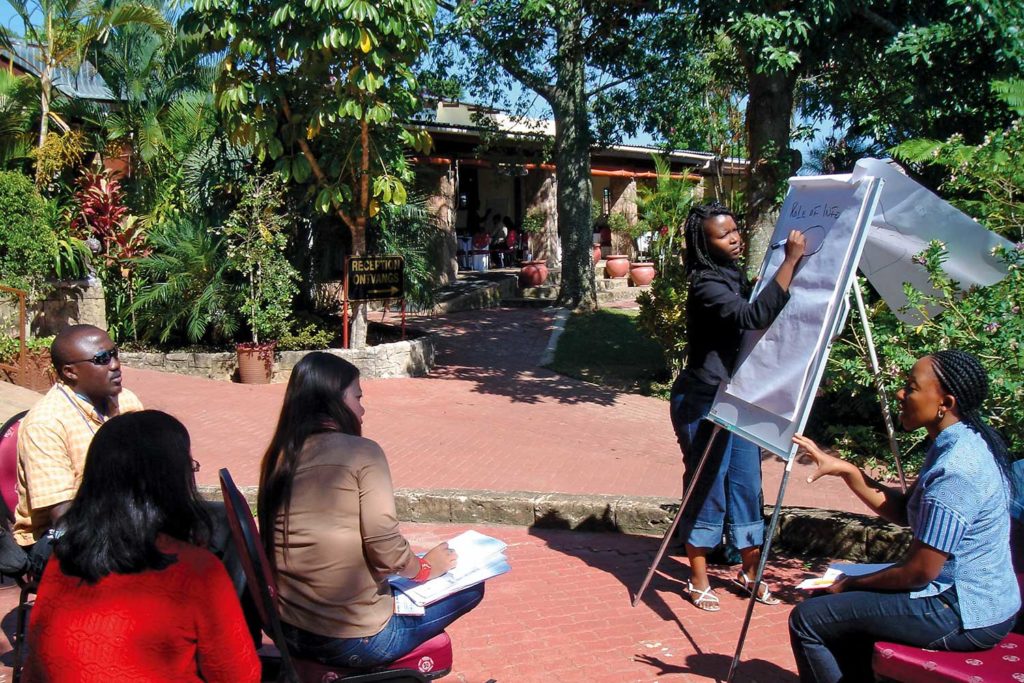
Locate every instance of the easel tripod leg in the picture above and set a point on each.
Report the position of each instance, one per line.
(765, 551)
(675, 520)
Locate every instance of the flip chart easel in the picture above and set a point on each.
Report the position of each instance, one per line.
(843, 210)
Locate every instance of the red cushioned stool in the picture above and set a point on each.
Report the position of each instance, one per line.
(909, 664)
(1003, 664)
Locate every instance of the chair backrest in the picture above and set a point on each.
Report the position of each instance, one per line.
(258, 574)
(9, 464)
(512, 239)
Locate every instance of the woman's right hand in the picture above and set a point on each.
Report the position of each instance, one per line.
(441, 559)
(827, 464)
(796, 245)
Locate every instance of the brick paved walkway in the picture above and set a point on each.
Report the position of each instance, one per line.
(487, 418)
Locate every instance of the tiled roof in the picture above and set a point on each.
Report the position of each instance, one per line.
(85, 84)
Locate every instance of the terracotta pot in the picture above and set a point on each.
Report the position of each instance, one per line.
(642, 273)
(616, 265)
(533, 274)
(597, 253)
(255, 362)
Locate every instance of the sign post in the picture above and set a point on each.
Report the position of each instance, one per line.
(373, 278)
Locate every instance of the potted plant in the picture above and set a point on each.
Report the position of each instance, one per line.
(617, 265)
(533, 273)
(256, 241)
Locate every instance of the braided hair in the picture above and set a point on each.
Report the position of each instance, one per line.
(699, 258)
(963, 376)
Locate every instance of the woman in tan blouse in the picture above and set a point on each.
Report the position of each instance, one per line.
(328, 522)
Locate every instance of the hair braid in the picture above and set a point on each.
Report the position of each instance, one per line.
(964, 377)
(698, 255)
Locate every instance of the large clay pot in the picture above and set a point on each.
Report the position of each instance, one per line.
(255, 362)
(597, 253)
(533, 274)
(642, 273)
(616, 265)
(37, 374)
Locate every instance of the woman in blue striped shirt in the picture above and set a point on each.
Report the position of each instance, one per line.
(955, 588)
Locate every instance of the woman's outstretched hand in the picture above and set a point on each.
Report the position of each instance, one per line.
(441, 559)
(827, 464)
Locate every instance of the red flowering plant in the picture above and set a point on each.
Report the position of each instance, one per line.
(102, 214)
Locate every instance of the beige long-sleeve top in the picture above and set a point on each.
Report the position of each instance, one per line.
(343, 539)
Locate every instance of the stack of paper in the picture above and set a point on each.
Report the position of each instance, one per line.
(479, 558)
(840, 569)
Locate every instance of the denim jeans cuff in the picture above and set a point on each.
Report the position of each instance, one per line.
(704, 535)
(746, 535)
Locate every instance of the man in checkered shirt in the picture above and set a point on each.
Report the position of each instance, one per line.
(55, 434)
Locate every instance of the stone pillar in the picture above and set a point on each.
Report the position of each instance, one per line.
(438, 183)
(623, 201)
(74, 302)
(541, 194)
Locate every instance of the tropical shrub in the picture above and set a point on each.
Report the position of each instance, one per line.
(188, 293)
(410, 231)
(986, 180)
(985, 321)
(663, 311)
(256, 239)
(28, 248)
(661, 212)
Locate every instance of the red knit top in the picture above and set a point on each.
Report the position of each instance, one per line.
(176, 624)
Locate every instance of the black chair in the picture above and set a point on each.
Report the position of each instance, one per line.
(429, 661)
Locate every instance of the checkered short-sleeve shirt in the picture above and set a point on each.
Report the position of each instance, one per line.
(52, 442)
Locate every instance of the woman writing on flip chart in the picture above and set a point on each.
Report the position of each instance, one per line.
(955, 588)
(328, 522)
(717, 314)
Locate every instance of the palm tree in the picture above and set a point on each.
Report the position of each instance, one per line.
(65, 32)
(17, 113)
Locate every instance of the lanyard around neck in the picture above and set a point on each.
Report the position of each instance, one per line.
(85, 418)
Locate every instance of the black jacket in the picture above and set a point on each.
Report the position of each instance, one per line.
(717, 314)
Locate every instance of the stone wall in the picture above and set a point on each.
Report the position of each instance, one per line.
(76, 302)
(409, 358)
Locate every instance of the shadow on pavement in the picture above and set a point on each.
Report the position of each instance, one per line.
(499, 351)
(716, 666)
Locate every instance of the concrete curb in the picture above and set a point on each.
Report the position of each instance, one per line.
(804, 531)
(558, 327)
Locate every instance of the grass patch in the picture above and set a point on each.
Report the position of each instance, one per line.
(606, 347)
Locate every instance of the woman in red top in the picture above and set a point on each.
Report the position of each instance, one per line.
(127, 596)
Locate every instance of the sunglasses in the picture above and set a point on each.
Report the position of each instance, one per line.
(101, 358)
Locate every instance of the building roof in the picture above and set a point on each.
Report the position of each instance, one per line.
(460, 119)
(85, 83)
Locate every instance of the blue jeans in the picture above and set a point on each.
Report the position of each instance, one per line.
(731, 480)
(400, 636)
(833, 635)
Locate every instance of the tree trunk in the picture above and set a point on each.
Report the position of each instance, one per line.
(768, 122)
(45, 85)
(572, 160)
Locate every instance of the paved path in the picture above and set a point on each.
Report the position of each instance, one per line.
(486, 418)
